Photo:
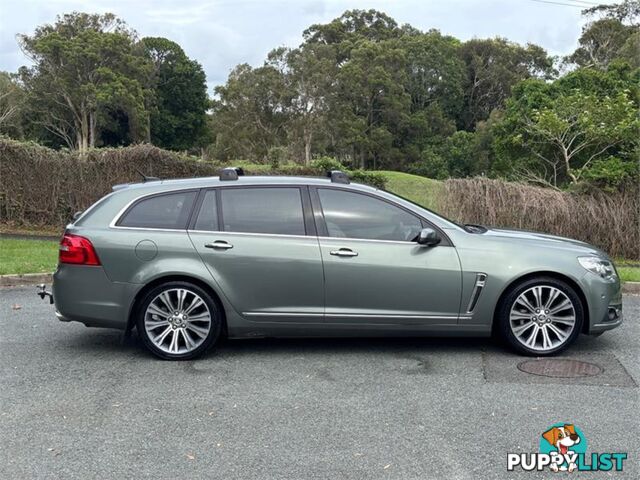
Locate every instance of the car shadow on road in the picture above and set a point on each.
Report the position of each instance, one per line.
(355, 346)
(113, 343)
(89, 341)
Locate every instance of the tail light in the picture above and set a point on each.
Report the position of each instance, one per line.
(77, 250)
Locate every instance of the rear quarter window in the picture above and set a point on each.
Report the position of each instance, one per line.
(167, 210)
(91, 211)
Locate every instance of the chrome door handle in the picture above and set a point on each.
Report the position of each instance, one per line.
(219, 244)
(344, 252)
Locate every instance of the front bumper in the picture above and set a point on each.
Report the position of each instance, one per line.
(611, 320)
(605, 303)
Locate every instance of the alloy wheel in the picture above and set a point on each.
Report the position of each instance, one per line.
(542, 318)
(177, 321)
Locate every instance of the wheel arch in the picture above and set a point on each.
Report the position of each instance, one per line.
(544, 273)
(175, 278)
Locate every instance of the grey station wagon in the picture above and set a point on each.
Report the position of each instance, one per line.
(186, 262)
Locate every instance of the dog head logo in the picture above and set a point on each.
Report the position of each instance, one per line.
(563, 442)
(563, 438)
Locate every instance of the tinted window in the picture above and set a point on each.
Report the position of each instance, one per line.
(169, 210)
(263, 210)
(353, 215)
(208, 215)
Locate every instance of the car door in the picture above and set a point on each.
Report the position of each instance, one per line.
(374, 272)
(259, 244)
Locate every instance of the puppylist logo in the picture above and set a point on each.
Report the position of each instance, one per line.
(563, 448)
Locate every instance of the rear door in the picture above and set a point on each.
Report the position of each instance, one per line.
(260, 245)
(375, 273)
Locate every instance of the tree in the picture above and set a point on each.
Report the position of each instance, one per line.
(627, 11)
(180, 102)
(309, 74)
(565, 129)
(250, 115)
(614, 34)
(493, 67)
(85, 67)
(630, 51)
(373, 101)
(352, 26)
(579, 123)
(435, 71)
(601, 42)
(10, 101)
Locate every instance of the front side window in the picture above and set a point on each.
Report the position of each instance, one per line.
(354, 215)
(169, 210)
(263, 210)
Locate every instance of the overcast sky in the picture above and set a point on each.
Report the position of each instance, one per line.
(223, 33)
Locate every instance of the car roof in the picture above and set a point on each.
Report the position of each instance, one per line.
(204, 182)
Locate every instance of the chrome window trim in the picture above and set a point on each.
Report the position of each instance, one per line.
(253, 234)
(338, 239)
(153, 229)
(372, 240)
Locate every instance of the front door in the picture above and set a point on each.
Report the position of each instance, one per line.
(374, 272)
(254, 242)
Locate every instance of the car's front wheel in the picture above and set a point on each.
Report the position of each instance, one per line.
(541, 316)
(178, 321)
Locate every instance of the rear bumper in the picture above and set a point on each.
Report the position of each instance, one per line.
(85, 294)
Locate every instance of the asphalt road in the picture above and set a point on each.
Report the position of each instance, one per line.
(77, 403)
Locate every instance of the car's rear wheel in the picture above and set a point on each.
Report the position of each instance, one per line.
(541, 316)
(178, 321)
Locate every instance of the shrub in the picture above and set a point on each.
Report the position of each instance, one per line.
(374, 179)
(608, 221)
(277, 156)
(326, 164)
(44, 187)
(40, 186)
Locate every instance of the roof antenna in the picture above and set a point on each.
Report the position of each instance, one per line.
(145, 178)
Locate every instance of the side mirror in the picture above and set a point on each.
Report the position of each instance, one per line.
(428, 237)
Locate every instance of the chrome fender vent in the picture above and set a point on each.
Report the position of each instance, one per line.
(481, 279)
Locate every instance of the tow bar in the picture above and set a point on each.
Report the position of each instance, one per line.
(42, 292)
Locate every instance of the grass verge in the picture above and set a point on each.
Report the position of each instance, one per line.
(27, 256)
(422, 190)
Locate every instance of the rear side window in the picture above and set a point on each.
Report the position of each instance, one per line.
(170, 210)
(263, 210)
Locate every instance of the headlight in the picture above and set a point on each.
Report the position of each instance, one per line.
(599, 266)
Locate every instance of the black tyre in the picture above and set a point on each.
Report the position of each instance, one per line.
(178, 321)
(540, 316)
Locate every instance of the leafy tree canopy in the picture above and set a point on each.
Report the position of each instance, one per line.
(180, 101)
